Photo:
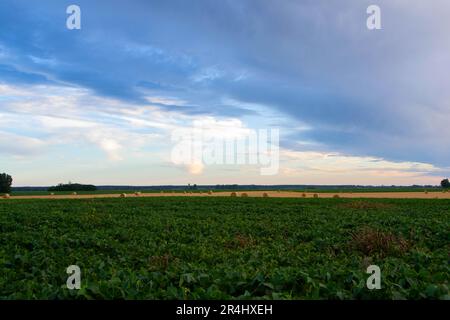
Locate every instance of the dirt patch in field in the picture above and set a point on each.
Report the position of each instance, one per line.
(240, 241)
(370, 242)
(161, 262)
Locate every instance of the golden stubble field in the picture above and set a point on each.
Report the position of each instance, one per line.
(257, 194)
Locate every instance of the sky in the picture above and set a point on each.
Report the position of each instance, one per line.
(102, 104)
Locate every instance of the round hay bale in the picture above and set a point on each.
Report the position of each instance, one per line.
(244, 195)
(265, 195)
(74, 193)
(303, 195)
(336, 196)
(6, 196)
(233, 194)
(123, 195)
(316, 195)
(137, 194)
(210, 192)
(52, 194)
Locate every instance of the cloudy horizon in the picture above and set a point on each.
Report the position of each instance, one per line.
(99, 105)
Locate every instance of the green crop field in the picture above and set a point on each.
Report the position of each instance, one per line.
(224, 248)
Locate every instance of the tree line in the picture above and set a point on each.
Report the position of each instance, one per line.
(73, 187)
(445, 184)
(6, 182)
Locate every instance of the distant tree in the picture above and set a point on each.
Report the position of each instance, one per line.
(73, 187)
(5, 183)
(445, 184)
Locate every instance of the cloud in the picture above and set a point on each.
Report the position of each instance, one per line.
(208, 74)
(60, 117)
(107, 144)
(19, 145)
(64, 117)
(333, 164)
(195, 168)
(315, 71)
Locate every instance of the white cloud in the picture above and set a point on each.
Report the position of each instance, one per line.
(62, 117)
(195, 168)
(109, 145)
(76, 117)
(208, 74)
(19, 145)
(166, 101)
(323, 163)
(60, 123)
(36, 119)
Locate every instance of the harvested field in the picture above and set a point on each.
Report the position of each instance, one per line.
(260, 194)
